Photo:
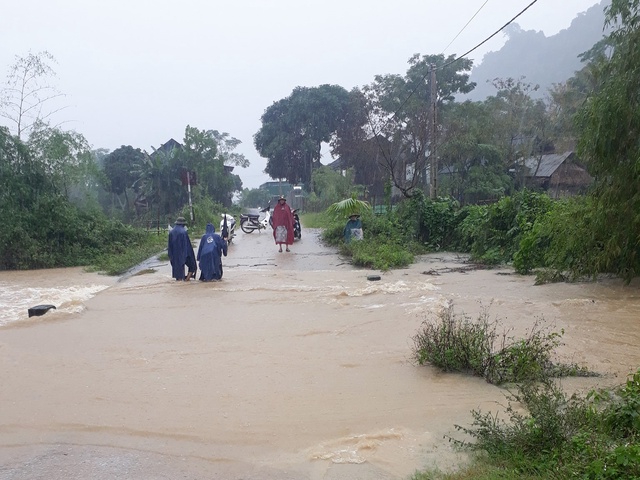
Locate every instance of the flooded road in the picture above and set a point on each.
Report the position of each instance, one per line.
(294, 366)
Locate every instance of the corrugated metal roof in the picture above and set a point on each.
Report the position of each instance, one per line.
(548, 164)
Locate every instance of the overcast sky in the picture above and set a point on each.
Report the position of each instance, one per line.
(137, 72)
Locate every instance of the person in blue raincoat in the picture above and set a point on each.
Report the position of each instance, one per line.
(353, 229)
(212, 248)
(180, 251)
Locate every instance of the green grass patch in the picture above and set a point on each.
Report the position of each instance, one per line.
(121, 260)
(315, 220)
(549, 434)
(480, 469)
(455, 343)
(379, 255)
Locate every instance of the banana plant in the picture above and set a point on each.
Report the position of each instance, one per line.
(348, 206)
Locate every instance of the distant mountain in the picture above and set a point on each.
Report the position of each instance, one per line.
(540, 59)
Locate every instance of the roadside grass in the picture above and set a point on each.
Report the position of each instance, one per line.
(315, 220)
(549, 434)
(376, 254)
(455, 343)
(480, 469)
(546, 433)
(120, 260)
(382, 247)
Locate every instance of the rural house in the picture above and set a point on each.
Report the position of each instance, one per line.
(557, 174)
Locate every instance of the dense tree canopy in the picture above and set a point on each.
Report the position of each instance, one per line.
(399, 115)
(294, 128)
(609, 143)
(118, 168)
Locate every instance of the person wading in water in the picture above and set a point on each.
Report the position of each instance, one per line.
(181, 252)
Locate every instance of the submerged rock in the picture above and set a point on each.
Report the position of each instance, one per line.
(40, 310)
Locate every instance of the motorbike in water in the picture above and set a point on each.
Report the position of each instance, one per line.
(228, 227)
(297, 230)
(249, 222)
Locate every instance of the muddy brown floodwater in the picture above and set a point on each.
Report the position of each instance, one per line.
(295, 366)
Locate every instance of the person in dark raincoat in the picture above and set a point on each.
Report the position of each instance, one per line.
(212, 247)
(282, 223)
(181, 251)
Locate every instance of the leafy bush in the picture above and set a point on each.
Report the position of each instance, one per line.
(561, 244)
(428, 222)
(456, 343)
(384, 245)
(551, 435)
(120, 261)
(492, 233)
(374, 253)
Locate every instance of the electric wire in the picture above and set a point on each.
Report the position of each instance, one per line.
(459, 58)
(376, 134)
(465, 26)
(489, 37)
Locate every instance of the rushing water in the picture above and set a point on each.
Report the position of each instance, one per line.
(295, 366)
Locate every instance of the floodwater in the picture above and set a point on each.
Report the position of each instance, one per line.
(294, 366)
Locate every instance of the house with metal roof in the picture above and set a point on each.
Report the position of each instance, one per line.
(558, 174)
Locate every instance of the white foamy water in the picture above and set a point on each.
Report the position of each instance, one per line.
(16, 299)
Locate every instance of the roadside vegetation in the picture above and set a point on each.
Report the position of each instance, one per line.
(542, 432)
(64, 204)
(553, 239)
(546, 433)
(456, 343)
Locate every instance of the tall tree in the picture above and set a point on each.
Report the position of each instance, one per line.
(399, 114)
(472, 168)
(208, 153)
(511, 111)
(567, 98)
(294, 128)
(158, 182)
(226, 146)
(357, 148)
(610, 123)
(66, 155)
(28, 96)
(119, 168)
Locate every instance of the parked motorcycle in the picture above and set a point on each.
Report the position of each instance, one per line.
(227, 227)
(297, 230)
(251, 221)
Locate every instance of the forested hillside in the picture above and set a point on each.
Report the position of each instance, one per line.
(540, 59)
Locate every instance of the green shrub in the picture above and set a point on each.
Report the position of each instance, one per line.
(456, 343)
(492, 233)
(377, 254)
(119, 260)
(551, 435)
(430, 223)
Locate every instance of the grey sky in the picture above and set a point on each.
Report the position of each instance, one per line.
(136, 72)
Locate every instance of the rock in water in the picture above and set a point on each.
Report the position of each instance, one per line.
(40, 310)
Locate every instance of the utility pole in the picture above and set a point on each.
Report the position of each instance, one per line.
(432, 136)
(193, 219)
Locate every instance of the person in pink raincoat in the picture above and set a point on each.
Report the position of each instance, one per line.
(282, 223)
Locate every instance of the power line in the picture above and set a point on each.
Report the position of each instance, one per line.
(461, 56)
(466, 25)
(489, 37)
(446, 65)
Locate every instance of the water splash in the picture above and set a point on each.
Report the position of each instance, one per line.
(15, 300)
